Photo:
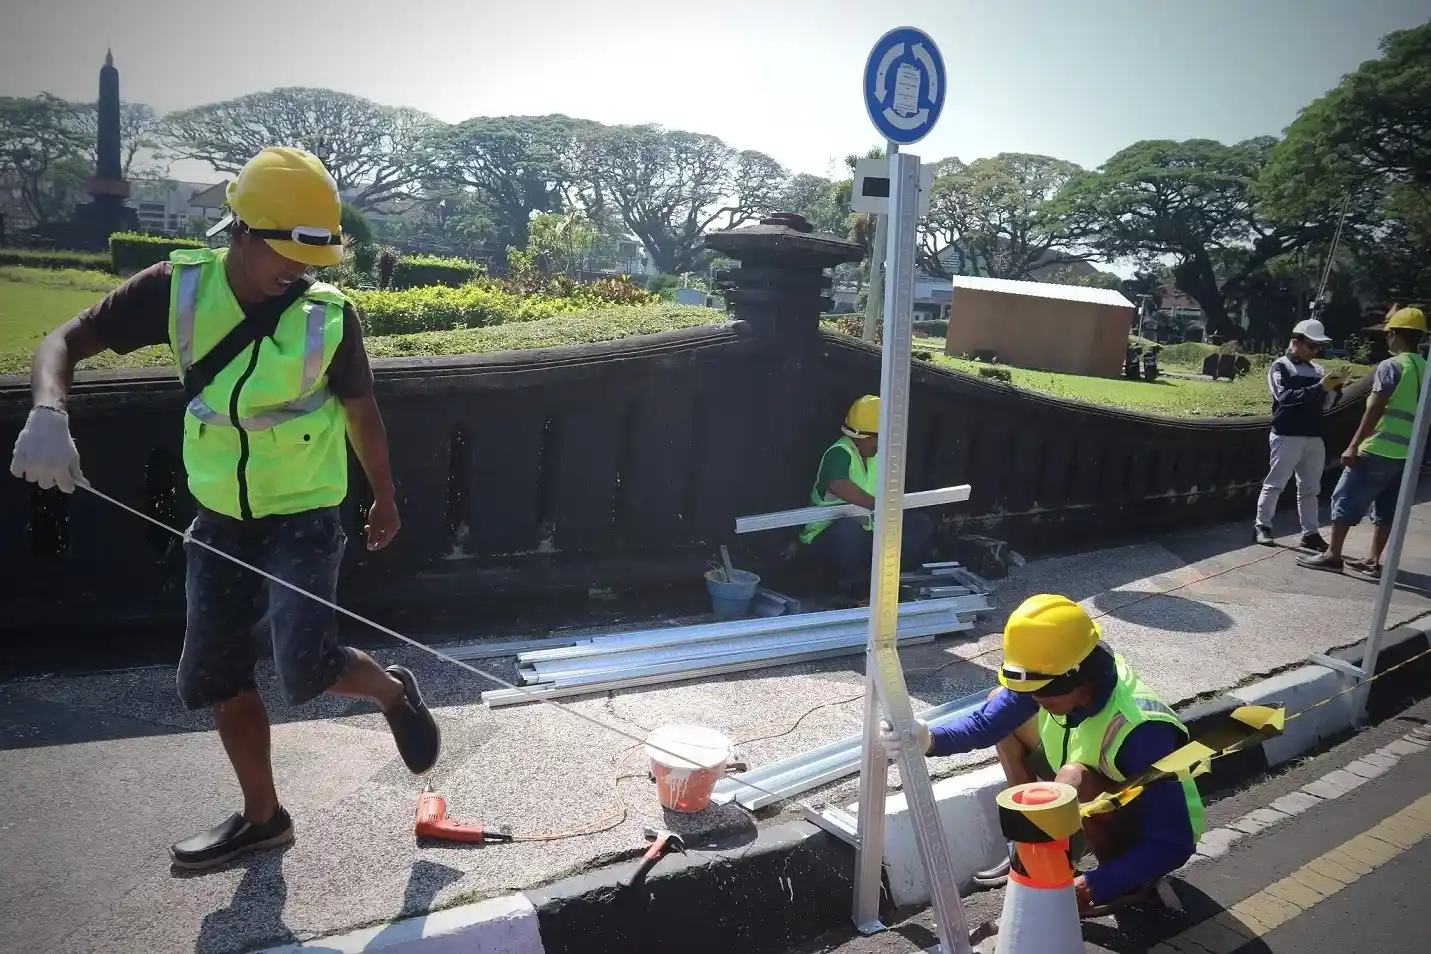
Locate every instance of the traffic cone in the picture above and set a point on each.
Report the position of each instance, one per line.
(1040, 907)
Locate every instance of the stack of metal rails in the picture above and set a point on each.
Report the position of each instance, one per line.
(649, 657)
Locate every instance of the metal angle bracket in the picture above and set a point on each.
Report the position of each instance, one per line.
(836, 821)
(1340, 665)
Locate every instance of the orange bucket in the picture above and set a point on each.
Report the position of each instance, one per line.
(687, 761)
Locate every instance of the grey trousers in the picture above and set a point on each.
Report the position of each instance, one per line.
(1304, 457)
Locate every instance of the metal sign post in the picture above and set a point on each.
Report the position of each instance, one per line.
(1391, 559)
(904, 92)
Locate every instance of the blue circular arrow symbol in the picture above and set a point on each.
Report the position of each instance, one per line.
(905, 85)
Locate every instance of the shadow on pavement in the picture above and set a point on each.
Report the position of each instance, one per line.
(1164, 611)
(1134, 930)
(255, 914)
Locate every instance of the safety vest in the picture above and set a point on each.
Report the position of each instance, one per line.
(1096, 740)
(265, 436)
(1392, 434)
(862, 475)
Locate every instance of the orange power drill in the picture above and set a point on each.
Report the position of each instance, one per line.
(432, 822)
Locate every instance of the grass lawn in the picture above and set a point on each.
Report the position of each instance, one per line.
(1174, 396)
(33, 301)
(30, 308)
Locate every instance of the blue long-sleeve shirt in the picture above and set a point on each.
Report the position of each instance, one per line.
(1165, 830)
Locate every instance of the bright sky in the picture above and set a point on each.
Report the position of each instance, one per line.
(1077, 80)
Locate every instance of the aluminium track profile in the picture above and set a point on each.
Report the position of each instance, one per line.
(497, 698)
(811, 769)
(702, 632)
(567, 671)
(795, 518)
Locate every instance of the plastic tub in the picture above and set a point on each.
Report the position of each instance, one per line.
(687, 761)
(731, 600)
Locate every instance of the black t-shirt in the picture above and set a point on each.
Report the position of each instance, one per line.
(136, 314)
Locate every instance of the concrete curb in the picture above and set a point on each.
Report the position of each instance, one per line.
(966, 802)
(793, 882)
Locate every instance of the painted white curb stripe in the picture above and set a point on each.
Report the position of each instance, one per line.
(498, 926)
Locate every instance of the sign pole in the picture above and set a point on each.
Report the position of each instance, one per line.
(1391, 559)
(874, 294)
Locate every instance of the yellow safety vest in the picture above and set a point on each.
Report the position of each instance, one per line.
(1392, 435)
(1095, 741)
(862, 475)
(266, 436)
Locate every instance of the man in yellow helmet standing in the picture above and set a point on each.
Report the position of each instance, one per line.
(277, 383)
(1374, 460)
(1073, 711)
(848, 473)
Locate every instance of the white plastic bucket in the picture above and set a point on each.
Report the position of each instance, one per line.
(687, 761)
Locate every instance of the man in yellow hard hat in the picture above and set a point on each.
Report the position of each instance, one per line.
(1373, 462)
(848, 472)
(277, 383)
(1073, 711)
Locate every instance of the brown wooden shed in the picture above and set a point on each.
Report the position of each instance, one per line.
(1068, 328)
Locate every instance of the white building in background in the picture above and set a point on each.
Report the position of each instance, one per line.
(165, 206)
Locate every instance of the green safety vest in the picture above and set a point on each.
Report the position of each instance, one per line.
(287, 451)
(862, 475)
(1096, 740)
(1392, 434)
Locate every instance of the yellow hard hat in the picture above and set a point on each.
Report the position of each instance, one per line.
(863, 418)
(1048, 636)
(1413, 318)
(289, 200)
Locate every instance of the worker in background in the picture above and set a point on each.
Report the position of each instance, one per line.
(1301, 394)
(847, 475)
(1070, 710)
(255, 338)
(1374, 460)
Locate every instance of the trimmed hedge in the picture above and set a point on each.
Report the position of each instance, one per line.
(55, 258)
(441, 308)
(417, 271)
(132, 251)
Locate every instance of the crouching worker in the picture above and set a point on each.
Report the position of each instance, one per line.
(1072, 711)
(847, 475)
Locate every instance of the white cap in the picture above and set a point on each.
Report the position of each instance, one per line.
(1312, 330)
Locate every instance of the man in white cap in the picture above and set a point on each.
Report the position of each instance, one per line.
(1301, 394)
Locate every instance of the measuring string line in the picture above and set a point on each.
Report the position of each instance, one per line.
(561, 707)
(1119, 798)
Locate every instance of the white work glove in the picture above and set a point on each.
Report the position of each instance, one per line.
(45, 453)
(892, 742)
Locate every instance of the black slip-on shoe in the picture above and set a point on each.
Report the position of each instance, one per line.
(230, 839)
(1314, 542)
(414, 729)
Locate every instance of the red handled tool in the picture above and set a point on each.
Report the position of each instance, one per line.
(432, 822)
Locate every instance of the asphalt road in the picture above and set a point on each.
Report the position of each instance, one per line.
(1384, 909)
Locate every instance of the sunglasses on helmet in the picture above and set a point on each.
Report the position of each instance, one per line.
(302, 234)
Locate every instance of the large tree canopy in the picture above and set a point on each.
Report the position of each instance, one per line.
(377, 152)
(1373, 127)
(1191, 201)
(519, 166)
(668, 187)
(43, 153)
(995, 210)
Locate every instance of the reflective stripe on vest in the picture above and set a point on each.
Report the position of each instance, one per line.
(1391, 437)
(1095, 741)
(287, 452)
(315, 314)
(862, 475)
